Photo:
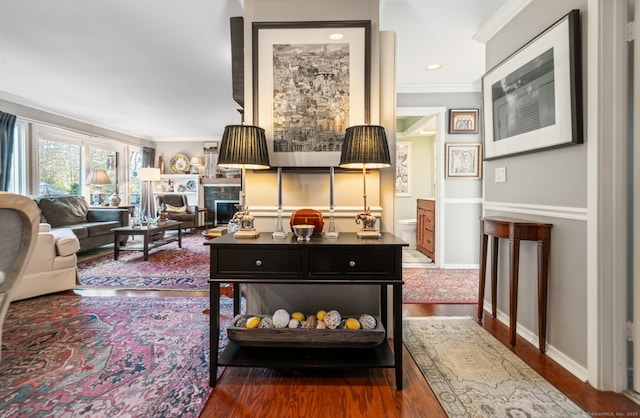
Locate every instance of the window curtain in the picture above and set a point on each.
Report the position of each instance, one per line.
(7, 125)
(148, 157)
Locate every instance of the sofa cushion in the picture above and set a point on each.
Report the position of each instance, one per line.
(79, 230)
(64, 210)
(66, 242)
(101, 228)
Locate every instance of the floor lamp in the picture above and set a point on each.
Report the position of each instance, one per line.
(243, 146)
(365, 147)
(147, 176)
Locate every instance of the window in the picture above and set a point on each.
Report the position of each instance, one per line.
(59, 166)
(135, 162)
(17, 176)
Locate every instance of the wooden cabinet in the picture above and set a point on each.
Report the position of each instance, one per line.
(346, 261)
(426, 227)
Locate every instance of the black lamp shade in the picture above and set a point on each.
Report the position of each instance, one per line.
(243, 146)
(365, 146)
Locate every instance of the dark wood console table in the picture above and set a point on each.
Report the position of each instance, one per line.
(331, 262)
(515, 230)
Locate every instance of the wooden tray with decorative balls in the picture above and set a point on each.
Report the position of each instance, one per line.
(320, 330)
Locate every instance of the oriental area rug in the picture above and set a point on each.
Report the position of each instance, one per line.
(168, 267)
(474, 375)
(187, 269)
(71, 356)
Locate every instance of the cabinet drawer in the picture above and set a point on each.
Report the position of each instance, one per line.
(429, 221)
(429, 241)
(427, 204)
(267, 262)
(347, 262)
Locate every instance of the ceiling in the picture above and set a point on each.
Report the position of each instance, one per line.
(164, 73)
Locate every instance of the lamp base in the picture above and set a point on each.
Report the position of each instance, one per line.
(368, 233)
(246, 233)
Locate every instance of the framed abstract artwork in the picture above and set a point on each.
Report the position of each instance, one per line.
(532, 100)
(311, 81)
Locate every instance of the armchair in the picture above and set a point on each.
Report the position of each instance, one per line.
(19, 217)
(178, 209)
(53, 266)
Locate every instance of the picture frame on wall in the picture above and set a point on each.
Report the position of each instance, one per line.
(463, 161)
(463, 121)
(403, 168)
(309, 88)
(532, 101)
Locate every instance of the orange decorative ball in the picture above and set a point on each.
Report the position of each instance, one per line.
(308, 217)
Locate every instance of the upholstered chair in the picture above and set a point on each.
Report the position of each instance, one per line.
(177, 208)
(19, 222)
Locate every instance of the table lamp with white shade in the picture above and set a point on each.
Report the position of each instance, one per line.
(98, 178)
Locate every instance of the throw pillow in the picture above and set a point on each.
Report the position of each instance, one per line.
(176, 209)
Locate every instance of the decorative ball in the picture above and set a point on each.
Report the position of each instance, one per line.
(266, 323)
(332, 319)
(367, 321)
(321, 325)
(311, 322)
(281, 318)
(352, 323)
(298, 315)
(293, 323)
(320, 315)
(253, 322)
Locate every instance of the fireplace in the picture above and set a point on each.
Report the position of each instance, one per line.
(224, 210)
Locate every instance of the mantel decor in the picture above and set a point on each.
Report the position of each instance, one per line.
(311, 80)
(532, 100)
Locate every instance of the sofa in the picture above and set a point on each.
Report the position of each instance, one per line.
(92, 226)
(53, 264)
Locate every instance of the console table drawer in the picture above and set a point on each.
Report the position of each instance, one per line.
(370, 262)
(259, 261)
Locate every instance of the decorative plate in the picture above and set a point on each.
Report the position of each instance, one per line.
(178, 164)
(191, 185)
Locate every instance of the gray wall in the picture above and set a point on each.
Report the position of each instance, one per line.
(460, 208)
(547, 186)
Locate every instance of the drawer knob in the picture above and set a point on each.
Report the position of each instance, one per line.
(258, 263)
(352, 263)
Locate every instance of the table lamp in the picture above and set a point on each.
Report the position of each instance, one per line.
(365, 146)
(147, 176)
(98, 178)
(243, 146)
(196, 163)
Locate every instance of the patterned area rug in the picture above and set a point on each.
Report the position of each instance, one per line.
(66, 356)
(168, 267)
(474, 375)
(434, 285)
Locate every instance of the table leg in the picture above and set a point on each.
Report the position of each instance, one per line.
(214, 332)
(145, 247)
(180, 236)
(236, 299)
(483, 269)
(397, 332)
(543, 278)
(116, 245)
(494, 276)
(514, 264)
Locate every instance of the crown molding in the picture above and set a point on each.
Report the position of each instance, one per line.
(498, 21)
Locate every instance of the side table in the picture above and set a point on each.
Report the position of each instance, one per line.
(515, 230)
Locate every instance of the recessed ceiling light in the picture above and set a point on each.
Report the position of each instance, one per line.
(336, 36)
(434, 67)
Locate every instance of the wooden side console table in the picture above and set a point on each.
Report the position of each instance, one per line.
(330, 262)
(515, 230)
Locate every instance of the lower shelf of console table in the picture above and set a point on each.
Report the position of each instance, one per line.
(360, 256)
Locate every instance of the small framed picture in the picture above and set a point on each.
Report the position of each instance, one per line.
(463, 121)
(463, 161)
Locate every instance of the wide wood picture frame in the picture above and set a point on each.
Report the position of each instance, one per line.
(463, 161)
(532, 100)
(463, 121)
(308, 87)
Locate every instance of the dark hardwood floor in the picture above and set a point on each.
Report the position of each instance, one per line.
(258, 392)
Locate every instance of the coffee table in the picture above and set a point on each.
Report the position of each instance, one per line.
(147, 232)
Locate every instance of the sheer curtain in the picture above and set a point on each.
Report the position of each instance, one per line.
(7, 124)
